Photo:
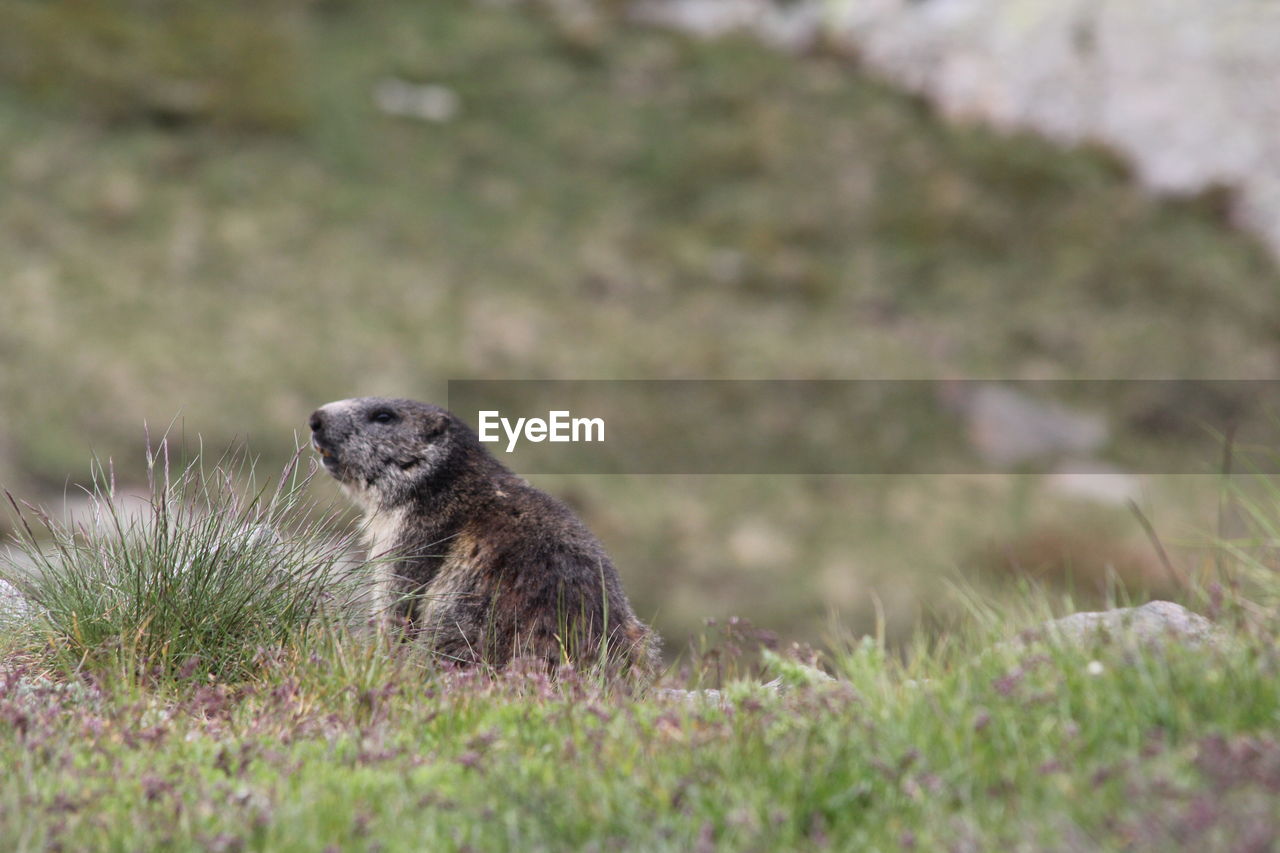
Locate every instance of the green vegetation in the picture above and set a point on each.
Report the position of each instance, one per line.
(1088, 748)
(205, 215)
(194, 578)
(327, 738)
(228, 64)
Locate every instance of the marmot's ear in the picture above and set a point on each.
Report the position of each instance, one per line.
(434, 424)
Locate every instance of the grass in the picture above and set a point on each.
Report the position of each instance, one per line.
(122, 61)
(194, 579)
(618, 203)
(609, 202)
(309, 735)
(1091, 748)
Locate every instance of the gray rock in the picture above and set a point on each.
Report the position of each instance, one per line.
(1008, 428)
(1155, 80)
(1184, 91)
(424, 102)
(793, 675)
(1151, 624)
(1094, 481)
(690, 697)
(14, 606)
(720, 698)
(788, 26)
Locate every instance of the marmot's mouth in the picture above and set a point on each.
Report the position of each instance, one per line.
(329, 458)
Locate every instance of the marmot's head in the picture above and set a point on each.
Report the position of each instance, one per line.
(380, 449)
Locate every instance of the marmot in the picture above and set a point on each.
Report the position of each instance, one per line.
(479, 564)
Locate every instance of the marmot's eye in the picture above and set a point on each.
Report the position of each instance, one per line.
(382, 416)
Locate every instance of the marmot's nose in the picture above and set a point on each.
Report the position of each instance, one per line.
(317, 421)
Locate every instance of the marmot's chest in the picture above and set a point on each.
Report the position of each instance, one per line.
(383, 532)
(441, 571)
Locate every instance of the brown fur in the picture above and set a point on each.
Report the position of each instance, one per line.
(478, 563)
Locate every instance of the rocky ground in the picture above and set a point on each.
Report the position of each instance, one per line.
(1122, 73)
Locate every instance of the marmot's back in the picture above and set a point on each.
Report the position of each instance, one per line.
(482, 565)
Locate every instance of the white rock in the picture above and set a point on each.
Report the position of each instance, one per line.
(1152, 623)
(790, 26)
(14, 606)
(1094, 481)
(425, 102)
(1007, 427)
(1185, 90)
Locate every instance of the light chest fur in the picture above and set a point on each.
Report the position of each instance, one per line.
(383, 532)
(381, 537)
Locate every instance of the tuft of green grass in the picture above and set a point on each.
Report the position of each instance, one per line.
(201, 577)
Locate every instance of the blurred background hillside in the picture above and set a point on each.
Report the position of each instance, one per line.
(227, 213)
